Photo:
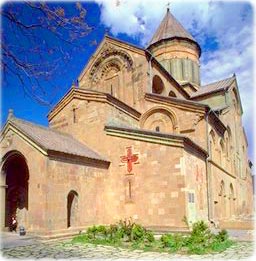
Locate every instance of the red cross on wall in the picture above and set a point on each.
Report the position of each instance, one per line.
(129, 159)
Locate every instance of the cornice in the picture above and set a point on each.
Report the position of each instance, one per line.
(173, 140)
(89, 95)
(179, 103)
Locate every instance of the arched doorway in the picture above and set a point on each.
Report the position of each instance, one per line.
(16, 173)
(72, 208)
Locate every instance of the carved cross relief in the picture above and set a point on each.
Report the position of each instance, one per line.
(129, 159)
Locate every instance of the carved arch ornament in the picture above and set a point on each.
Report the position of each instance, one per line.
(160, 109)
(110, 56)
(108, 65)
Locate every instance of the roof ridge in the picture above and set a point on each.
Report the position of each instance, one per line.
(125, 42)
(228, 78)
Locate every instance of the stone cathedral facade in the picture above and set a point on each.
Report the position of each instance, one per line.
(138, 137)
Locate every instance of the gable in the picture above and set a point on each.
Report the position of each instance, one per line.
(234, 98)
(48, 141)
(116, 68)
(109, 51)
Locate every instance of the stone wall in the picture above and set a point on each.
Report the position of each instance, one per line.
(34, 217)
(86, 182)
(157, 196)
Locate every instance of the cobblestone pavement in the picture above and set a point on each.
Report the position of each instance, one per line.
(66, 250)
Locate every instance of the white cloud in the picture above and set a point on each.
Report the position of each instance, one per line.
(229, 25)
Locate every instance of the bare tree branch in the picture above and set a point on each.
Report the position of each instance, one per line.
(38, 39)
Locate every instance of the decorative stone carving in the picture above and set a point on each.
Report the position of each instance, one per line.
(8, 141)
(130, 158)
(109, 51)
(197, 119)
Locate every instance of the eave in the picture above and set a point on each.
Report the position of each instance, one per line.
(187, 104)
(174, 140)
(176, 38)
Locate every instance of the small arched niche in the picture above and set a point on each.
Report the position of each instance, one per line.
(160, 120)
(157, 85)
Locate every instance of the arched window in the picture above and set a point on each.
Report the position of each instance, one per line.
(157, 85)
(172, 94)
(222, 211)
(157, 128)
(231, 191)
(111, 80)
(222, 147)
(212, 139)
(222, 189)
(222, 153)
(231, 200)
(235, 101)
(228, 141)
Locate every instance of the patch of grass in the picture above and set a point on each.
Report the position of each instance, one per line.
(221, 246)
(134, 236)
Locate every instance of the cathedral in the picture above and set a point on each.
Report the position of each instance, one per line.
(138, 137)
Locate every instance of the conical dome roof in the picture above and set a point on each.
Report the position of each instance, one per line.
(171, 28)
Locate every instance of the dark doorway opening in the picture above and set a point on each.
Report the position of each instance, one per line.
(72, 208)
(16, 197)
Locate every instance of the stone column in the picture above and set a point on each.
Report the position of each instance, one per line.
(2, 203)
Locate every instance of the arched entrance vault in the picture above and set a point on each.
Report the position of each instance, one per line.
(14, 188)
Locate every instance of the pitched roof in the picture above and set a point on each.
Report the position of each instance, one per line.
(170, 28)
(214, 87)
(54, 141)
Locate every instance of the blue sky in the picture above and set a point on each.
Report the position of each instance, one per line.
(224, 31)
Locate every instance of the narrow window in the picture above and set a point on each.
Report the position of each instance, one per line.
(130, 189)
(157, 128)
(191, 197)
(74, 115)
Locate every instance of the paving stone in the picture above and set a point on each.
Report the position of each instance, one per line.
(61, 250)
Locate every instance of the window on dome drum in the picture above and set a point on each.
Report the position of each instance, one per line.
(158, 85)
(172, 94)
(157, 128)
